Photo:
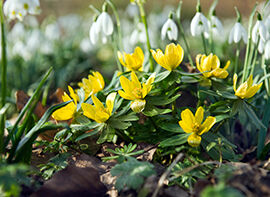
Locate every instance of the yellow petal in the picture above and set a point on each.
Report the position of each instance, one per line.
(207, 125)
(135, 80)
(249, 81)
(241, 90)
(101, 116)
(199, 115)
(187, 128)
(126, 85)
(139, 53)
(121, 58)
(97, 103)
(73, 95)
(227, 65)
(188, 117)
(194, 140)
(65, 113)
(110, 102)
(215, 63)
(220, 73)
(65, 97)
(253, 90)
(89, 110)
(234, 81)
(125, 95)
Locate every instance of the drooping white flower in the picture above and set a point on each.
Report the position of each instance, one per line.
(267, 50)
(199, 24)
(138, 35)
(20, 8)
(216, 27)
(170, 29)
(261, 46)
(52, 31)
(259, 30)
(237, 33)
(102, 28)
(267, 23)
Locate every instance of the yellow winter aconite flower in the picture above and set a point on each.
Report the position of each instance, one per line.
(93, 84)
(67, 112)
(135, 91)
(172, 58)
(193, 124)
(246, 89)
(99, 113)
(209, 66)
(133, 61)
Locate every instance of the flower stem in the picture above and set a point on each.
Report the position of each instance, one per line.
(237, 58)
(254, 58)
(118, 24)
(204, 44)
(182, 32)
(3, 78)
(266, 81)
(143, 17)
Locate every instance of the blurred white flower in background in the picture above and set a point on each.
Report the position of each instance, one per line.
(237, 33)
(138, 35)
(132, 10)
(169, 28)
(259, 30)
(102, 28)
(267, 50)
(216, 27)
(52, 31)
(85, 45)
(20, 8)
(199, 25)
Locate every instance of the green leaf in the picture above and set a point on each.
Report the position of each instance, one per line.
(174, 128)
(131, 173)
(159, 77)
(118, 124)
(219, 118)
(252, 115)
(227, 95)
(151, 110)
(107, 134)
(162, 100)
(189, 79)
(175, 140)
(88, 134)
(37, 129)
(129, 117)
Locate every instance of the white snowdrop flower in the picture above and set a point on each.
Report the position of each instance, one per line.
(170, 29)
(267, 50)
(20, 8)
(267, 23)
(259, 29)
(261, 46)
(199, 24)
(237, 33)
(52, 31)
(93, 34)
(138, 35)
(105, 24)
(216, 27)
(85, 45)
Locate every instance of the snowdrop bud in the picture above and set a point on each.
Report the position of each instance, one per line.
(105, 24)
(259, 29)
(267, 50)
(170, 29)
(237, 33)
(199, 24)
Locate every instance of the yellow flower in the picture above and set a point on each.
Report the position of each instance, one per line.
(99, 113)
(193, 124)
(246, 89)
(132, 62)
(135, 91)
(67, 112)
(209, 66)
(93, 84)
(172, 58)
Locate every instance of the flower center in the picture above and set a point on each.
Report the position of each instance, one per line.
(137, 92)
(196, 127)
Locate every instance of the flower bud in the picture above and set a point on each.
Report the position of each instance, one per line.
(137, 105)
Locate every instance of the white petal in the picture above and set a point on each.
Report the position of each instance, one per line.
(267, 50)
(231, 35)
(134, 37)
(261, 46)
(165, 28)
(173, 31)
(194, 24)
(219, 26)
(237, 33)
(107, 24)
(205, 23)
(255, 32)
(92, 34)
(262, 31)
(244, 34)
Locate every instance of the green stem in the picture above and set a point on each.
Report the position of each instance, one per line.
(204, 44)
(255, 58)
(151, 62)
(120, 68)
(182, 32)
(118, 24)
(266, 81)
(3, 78)
(237, 58)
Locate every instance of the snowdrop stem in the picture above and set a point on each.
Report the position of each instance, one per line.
(248, 43)
(3, 78)
(115, 49)
(143, 17)
(266, 81)
(204, 44)
(182, 32)
(237, 57)
(254, 58)
(118, 24)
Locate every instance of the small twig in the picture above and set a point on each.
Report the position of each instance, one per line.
(166, 173)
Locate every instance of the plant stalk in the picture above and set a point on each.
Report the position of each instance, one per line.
(237, 58)
(204, 44)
